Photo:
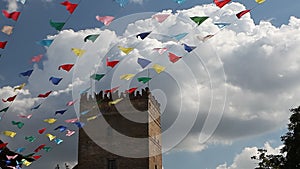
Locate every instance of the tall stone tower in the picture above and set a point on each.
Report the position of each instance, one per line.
(125, 135)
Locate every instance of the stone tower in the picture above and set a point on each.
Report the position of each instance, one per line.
(104, 143)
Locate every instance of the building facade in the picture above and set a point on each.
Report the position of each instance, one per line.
(125, 134)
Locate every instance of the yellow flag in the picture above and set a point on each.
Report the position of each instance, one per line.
(260, 1)
(158, 68)
(50, 136)
(127, 76)
(125, 50)
(26, 163)
(91, 118)
(10, 133)
(20, 87)
(7, 30)
(115, 101)
(78, 52)
(50, 121)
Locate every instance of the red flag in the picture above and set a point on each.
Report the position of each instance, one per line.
(173, 58)
(3, 44)
(240, 14)
(2, 145)
(13, 15)
(220, 4)
(111, 90)
(70, 7)
(131, 90)
(111, 63)
(45, 95)
(36, 58)
(41, 131)
(37, 157)
(39, 148)
(66, 67)
(10, 99)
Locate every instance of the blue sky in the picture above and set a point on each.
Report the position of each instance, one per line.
(33, 25)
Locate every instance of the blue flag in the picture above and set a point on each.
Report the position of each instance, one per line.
(36, 107)
(189, 48)
(60, 112)
(222, 25)
(45, 42)
(122, 3)
(143, 62)
(79, 124)
(143, 35)
(27, 73)
(179, 36)
(61, 128)
(55, 80)
(179, 1)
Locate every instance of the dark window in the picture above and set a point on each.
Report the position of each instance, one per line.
(155, 166)
(111, 164)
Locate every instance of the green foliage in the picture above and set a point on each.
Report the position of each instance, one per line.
(289, 157)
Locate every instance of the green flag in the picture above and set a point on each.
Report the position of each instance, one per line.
(199, 19)
(97, 76)
(91, 37)
(18, 124)
(4, 110)
(144, 79)
(47, 149)
(30, 138)
(57, 25)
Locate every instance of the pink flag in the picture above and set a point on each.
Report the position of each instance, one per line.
(160, 50)
(71, 103)
(71, 120)
(11, 157)
(160, 17)
(36, 58)
(70, 133)
(25, 116)
(106, 20)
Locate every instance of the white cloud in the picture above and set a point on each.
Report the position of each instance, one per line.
(12, 5)
(244, 161)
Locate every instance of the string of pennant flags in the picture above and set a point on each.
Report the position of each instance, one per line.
(67, 67)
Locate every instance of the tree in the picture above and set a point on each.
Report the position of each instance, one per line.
(289, 157)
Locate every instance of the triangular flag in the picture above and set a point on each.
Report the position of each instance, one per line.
(174, 58)
(20, 150)
(91, 37)
(11, 157)
(78, 52)
(111, 64)
(2, 145)
(20, 87)
(47, 149)
(179, 36)
(143, 62)
(13, 15)
(41, 131)
(50, 121)
(44, 95)
(30, 138)
(22, 1)
(240, 14)
(37, 157)
(3, 44)
(57, 25)
(179, 1)
(60, 111)
(221, 3)
(25, 162)
(50, 136)
(71, 103)
(66, 67)
(207, 37)
(85, 112)
(92, 118)
(79, 124)
(144, 79)
(188, 48)
(10, 99)
(18, 124)
(58, 141)
(9, 133)
(112, 90)
(70, 7)
(27, 73)
(25, 116)
(143, 35)
(160, 50)
(127, 76)
(115, 101)
(4, 110)
(61, 128)
(70, 133)
(7, 30)
(37, 58)
(36, 107)
(45, 42)
(71, 120)
(199, 19)
(158, 68)
(97, 76)
(160, 17)
(260, 1)
(125, 50)
(222, 24)
(131, 90)
(55, 80)
(39, 148)
(106, 20)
